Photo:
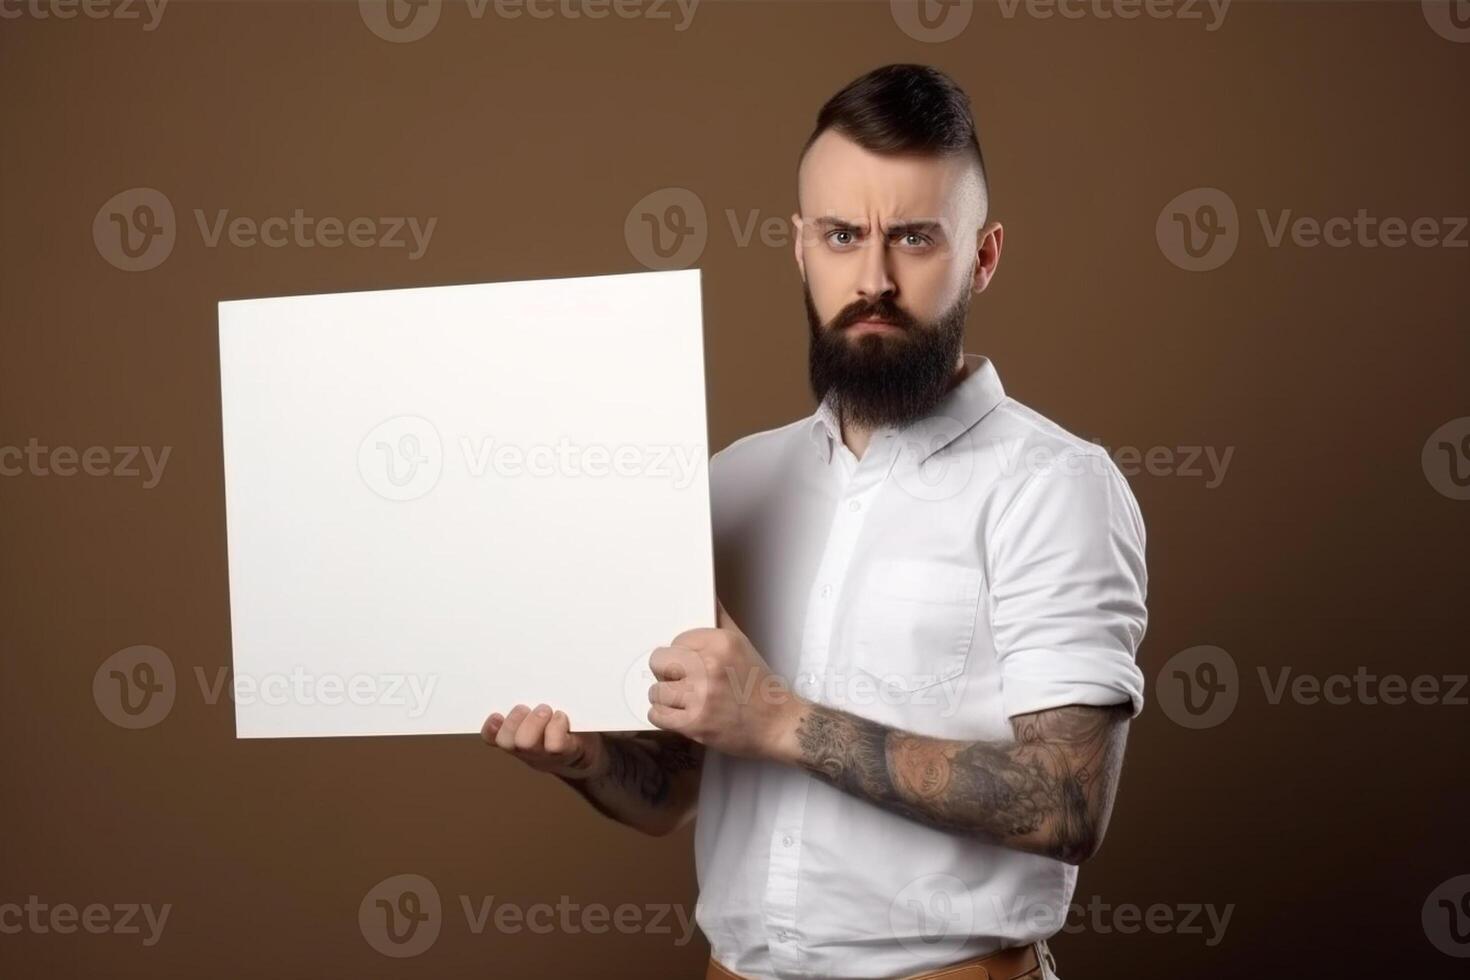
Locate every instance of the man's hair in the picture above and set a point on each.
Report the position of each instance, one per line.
(904, 109)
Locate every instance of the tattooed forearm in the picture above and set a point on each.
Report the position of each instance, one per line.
(649, 782)
(646, 765)
(1050, 791)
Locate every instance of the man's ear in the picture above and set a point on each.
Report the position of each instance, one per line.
(800, 256)
(988, 241)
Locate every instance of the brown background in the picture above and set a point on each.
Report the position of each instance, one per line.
(1325, 548)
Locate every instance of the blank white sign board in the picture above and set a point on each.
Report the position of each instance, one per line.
(442, 502)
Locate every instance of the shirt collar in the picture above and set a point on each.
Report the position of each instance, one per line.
(957, 412)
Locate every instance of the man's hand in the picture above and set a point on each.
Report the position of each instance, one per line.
(543, 739)
(1049, 791)
(647, 780)
(714, 687)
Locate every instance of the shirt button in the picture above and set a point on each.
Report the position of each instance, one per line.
(782, 935)
(786, 841)
(854, 505)
(826, 591)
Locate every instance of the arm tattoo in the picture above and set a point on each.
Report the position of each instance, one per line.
(1050, 791)
(648, 782)
(645, 765)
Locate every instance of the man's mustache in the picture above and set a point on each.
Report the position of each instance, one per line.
(885, 310)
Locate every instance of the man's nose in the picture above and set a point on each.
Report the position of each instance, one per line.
(875, 280)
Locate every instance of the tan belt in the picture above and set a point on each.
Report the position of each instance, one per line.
(1003, 964)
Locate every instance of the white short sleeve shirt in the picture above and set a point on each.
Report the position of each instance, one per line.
(977, 564)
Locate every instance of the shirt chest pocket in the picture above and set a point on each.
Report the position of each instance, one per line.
(914, 621)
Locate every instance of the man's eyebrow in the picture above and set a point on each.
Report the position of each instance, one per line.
(927, 226)
(922, 225)
(827, 221)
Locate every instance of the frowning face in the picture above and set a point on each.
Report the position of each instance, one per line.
(890, 248)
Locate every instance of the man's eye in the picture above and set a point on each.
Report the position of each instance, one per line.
(832, 237)
(915, 239)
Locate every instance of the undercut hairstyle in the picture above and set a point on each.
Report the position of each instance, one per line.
(899, 109)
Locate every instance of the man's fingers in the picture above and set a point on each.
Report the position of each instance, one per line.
(558, 737)
(695, 639)
(506, 737)
(528, 736)
(669, 664)
(491, 726)
(669, 694)
(669, 719)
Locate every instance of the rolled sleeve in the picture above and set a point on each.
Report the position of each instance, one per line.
(1068, 589)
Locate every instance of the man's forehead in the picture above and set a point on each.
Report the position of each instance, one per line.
(840, 179)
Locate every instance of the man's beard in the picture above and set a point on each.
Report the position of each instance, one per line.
(888, 378)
